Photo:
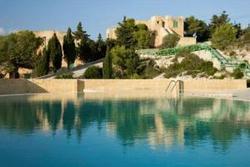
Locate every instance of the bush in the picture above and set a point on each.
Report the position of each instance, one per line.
(93, 73)
(237, 74)
(65, 75)
(148, 69)
(191, 65)
(170, 41)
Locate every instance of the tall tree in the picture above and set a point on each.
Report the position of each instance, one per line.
(125, 33)
(218, 20)
(126, 60)
(224, 36)
(55, 52)
(19, 50)
(83, 43)
(107, 66)
(100, 47)
(69, 48)
(42, 63)
(239, 30)
(196, 27)
(144, 37)
(80, 34)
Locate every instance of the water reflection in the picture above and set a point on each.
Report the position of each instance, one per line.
(160, 122)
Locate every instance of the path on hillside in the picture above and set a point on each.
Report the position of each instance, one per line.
(77, 71)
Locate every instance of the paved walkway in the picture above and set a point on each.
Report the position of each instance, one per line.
(77, 71)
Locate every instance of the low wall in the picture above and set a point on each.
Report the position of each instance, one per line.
(19, 86)
(214, 85)
(184, 41)
(22, 86)
(125, 85)
(59, 85)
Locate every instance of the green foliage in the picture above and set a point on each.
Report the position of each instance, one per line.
(69, 48)
(191, 65)
(125, 33)
(42, 64)
(100, 47)
(107, 66)
(88, 49)
(224, 36)
(197, 27)
(134, 36)
(18, 50)
(239, 31)
(237, 74)
(55, 52)
(170, 41)
(147, 69)
(143, 37)
(246, 36)
(218, 20)
(83, 43)
(80, 34)
(65, 75)
(93, 73)
(126, 60)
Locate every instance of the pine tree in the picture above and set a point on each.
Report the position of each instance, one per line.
(80, 34)
(69, 48)
(55, 52)
(100, 47)
(107, 66)
(83, 49)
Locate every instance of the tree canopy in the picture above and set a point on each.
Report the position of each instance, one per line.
(42, 63)
(55, 52)
(18, 50)
(196, 27)
(107, 66)
(125, 59)
(80, 34)
(134, 36)
(69, 48)
(224, 36)
(218, 20)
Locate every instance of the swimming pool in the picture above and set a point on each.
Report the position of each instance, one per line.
(64, 131)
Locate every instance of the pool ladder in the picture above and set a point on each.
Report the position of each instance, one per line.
(173, 86)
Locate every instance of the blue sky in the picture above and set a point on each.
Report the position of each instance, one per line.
(97, 15)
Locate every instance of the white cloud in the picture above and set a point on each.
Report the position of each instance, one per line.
(2, 31)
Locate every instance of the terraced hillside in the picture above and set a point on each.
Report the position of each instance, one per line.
(225, 62)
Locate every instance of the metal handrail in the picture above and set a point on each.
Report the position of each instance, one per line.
(175, 83)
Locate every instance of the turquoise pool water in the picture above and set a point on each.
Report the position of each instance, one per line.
(43, 131)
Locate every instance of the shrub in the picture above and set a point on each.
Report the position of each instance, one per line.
(170, 41)
(93, 73)
(237, 73)
(65, 75)
(191, 65)
(148, 69)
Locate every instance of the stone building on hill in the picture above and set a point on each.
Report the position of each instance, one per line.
(162, 26)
